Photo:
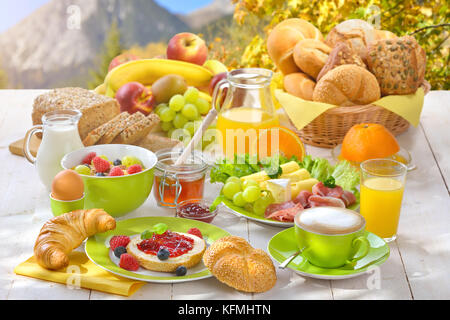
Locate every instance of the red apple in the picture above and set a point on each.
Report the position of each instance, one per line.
(120, 59)
(215, 80)
(187, 47)
(134, 97)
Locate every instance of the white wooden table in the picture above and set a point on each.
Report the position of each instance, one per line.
(418, 267)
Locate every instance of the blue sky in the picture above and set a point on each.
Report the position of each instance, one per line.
(12, 12)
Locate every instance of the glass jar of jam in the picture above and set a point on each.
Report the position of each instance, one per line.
(174, 184)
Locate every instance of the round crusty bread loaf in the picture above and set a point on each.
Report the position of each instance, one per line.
(152, 262)
(398, 64)
(234, 262)
(283, 38)
(299, 85)
(310, 56)
(384, 34)
(359, 32)
(347, 85)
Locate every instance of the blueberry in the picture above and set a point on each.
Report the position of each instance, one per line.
(163, 254)
(117, 162)
(181, 271)
(100, 174)
(119, 251)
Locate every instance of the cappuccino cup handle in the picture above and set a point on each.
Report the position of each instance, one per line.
(364, 243)
(26, 143)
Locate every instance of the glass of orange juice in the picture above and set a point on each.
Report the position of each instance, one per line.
(382, 187)
(246, 108)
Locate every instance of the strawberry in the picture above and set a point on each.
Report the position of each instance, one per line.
(115, 172)
(100, 164)
(88, 158)
(118, 241)
(195, 232)
(128, 262)
(135, 168)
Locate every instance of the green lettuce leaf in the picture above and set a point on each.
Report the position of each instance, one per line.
(346, 175)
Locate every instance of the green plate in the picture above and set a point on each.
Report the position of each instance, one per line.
(283, 245)
(97, 248)
(252, 216)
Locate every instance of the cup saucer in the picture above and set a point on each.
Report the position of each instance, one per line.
(283, 244)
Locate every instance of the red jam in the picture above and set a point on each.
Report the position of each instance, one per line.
(196, 211)
(176, 243)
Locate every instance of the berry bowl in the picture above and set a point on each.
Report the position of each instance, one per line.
(117, 195)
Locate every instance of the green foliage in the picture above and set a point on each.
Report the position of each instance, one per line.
(111, 48)
(427, 20)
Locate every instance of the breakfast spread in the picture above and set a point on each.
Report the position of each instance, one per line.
(60, 235)
(100, 166)
(144, 103)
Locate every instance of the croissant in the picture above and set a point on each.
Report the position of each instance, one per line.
(60, 235)
(234, 262)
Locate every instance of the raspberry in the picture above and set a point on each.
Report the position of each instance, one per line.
(100, 164)
(118, 241)
(88, 158)
(128, 262)
(195, 232)
(115, 172)
(135, 168)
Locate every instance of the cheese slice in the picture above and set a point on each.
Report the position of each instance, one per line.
(280, 189)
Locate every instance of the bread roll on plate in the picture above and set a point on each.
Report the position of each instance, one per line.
(300, 85)
(283, 38)
(310, 56)
(347, 85)
(234, 262)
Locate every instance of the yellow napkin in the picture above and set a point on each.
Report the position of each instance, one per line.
(302, 112)
(81, 272)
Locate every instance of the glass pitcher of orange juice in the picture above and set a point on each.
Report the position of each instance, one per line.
(246, 107)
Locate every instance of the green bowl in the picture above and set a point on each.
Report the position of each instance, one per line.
(116, 195)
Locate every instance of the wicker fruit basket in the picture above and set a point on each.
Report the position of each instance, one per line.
(328, 129)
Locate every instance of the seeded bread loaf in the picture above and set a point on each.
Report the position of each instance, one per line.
(347, 85)
(95, 135)
(138, 130)
(398, 64)
(342, 53)
(96, 109)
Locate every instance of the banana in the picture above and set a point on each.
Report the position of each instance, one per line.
(101, 89)
(147, 71)
(215, 66)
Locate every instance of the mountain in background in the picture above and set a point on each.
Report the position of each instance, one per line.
(210, 13)
(47, 50)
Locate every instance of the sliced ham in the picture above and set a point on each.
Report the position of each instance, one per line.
(348, 198)
(302, 198)
(274, 207)
(318, 201)
(286, 214)
(319, 189)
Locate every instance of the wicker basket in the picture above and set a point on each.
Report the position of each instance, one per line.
(328, 129)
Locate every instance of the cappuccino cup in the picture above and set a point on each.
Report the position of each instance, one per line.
(331, 237)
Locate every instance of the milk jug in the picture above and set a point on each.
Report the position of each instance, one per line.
(59, 136)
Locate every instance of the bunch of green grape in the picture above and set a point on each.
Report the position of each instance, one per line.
(183, 112)
(247, 194)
